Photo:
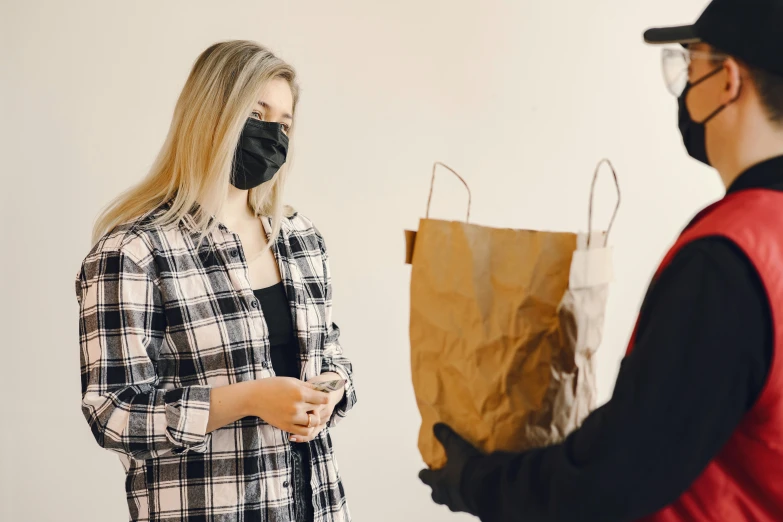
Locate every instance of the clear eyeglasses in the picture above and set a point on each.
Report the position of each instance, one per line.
(675, 64)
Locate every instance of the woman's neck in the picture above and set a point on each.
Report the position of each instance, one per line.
(236, 210)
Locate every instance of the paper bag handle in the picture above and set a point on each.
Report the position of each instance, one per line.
(592, 196)
(432, 186)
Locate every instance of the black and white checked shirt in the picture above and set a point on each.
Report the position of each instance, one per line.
(161, 321)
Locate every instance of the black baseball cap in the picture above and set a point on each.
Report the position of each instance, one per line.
(750, 30)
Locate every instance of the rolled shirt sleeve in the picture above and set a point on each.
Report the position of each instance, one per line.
(334, 360)
(121, 331)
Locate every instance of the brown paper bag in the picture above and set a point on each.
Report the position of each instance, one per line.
(503, 327)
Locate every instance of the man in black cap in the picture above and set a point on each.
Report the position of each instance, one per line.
(694, 429)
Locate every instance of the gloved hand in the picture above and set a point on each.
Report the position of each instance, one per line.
(446, 482)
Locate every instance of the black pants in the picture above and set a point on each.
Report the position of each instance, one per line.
(303, 493)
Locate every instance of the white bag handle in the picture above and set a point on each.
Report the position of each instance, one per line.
(592, 196)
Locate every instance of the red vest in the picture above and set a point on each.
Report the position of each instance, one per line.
(744, 482)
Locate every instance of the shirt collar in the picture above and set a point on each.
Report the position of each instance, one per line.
(188, 221)
(768, 174)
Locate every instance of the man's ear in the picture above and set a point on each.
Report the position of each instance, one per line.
(733, 77)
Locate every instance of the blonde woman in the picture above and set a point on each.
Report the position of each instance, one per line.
(206, 317)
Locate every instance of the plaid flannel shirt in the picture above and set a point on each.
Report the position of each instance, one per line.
(162, 321)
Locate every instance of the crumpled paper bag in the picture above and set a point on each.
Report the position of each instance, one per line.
(503, 328)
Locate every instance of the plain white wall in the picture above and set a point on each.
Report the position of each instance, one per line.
(523, 98)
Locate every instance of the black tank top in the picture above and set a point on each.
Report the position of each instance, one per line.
(284, 345)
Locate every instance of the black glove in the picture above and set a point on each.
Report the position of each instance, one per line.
(446, 482)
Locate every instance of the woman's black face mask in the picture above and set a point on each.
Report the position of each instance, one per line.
(261, 151)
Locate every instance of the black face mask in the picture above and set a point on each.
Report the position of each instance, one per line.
(694, 134)
(260, 153)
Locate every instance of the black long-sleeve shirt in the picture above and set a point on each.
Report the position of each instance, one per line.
(701, 358)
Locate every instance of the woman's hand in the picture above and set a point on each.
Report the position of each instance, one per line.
(289, 405)
(324, 412)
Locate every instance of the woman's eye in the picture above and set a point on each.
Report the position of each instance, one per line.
(256, 115)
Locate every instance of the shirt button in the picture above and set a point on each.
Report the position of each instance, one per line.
(234, 252)
(265, 364)
(286, 484)
(254, 303)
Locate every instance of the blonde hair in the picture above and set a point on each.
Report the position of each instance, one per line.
(194, 165)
